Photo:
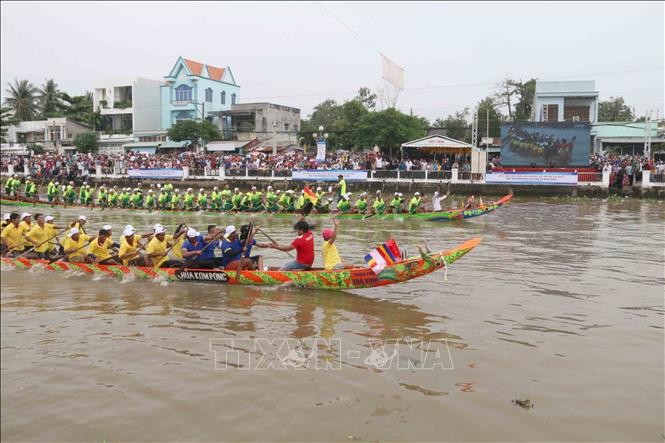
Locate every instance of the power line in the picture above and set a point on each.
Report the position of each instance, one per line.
(364, 40)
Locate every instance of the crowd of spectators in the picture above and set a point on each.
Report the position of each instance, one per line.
(625, 169)
(52, 165)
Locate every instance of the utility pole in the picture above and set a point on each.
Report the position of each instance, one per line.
(647, 136)
(274, 131)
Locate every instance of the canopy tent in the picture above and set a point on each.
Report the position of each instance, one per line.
(174, 145)
(438, 144)
(228, 146)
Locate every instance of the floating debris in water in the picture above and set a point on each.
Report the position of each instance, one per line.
(524, 404)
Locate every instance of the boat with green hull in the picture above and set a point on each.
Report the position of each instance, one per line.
(444, 215)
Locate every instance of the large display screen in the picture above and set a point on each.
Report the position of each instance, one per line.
(553, 144)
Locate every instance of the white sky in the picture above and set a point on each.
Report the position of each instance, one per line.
(296, 54)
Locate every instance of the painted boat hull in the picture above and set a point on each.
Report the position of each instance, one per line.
(342, 279)
(445, 215)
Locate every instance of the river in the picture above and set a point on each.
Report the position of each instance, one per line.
(560, 307)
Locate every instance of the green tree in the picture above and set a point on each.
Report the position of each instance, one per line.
(193, 131)
(366, 97)
(22, 100)
(328, 114)
(79, 108)
(516, 97)
(456, 125)
(50, 100)
(389, 129)
(86, 142)
(493, 125)
(614, 110)
(6, 120)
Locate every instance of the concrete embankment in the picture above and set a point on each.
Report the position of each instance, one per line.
(406, 187)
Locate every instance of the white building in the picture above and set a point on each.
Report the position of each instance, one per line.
(570, 101)
(53, 133)
(131, 112)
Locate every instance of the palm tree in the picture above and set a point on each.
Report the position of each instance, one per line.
(50, 99)
(22, 99)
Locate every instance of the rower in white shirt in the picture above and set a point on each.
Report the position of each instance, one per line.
(436, 201)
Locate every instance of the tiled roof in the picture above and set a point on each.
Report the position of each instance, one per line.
(196, 68)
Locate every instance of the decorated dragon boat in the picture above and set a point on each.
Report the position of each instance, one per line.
(444, 215)
(338, 279)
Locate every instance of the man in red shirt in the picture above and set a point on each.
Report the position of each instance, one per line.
(304, 246)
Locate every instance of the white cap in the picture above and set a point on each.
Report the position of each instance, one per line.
(177, 190)
(157, 225)
(6, 216)
(215, 188)
(237, 189)
(159, 230)
(290, 191)
(83, 217)
(348, 194)
(319, 188)
(279, 191)
(129, 230)
(363, 194)
(330, 199)
(73, 232)
(230, 229)
(378, 192)
(417, 193)
(25, 214)
(200, 189)
(253, 187)
(401, 195)
(49, 218)
(107, 227)
(436, 192)
(193, 233)
(189, 189)
(159, 185)
(269, 187)
(396, 194)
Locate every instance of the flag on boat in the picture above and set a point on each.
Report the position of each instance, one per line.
(310, 195)
(385, 255)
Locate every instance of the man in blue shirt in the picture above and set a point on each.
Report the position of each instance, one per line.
(197, 253)
(233, 249)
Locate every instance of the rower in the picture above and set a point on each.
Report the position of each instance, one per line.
(82, 193)
(256, 259)
(195, 249)
(30, 188)
(236, 200)
(129, 248)
(38, 236)
(176, 200)
(470, 202)
(70, 193)
(202, 200)
(87, 196)
(414, 204)
(189, 199)
(343, 205)
(102, 197)
(215, 199)
(12, 236)
(331, 257)
(227, 205)
(156, 254)
(361, 203)
(51, 191)
(150, 199)
(256, 201)
(52, 234)
(110, 241)
(99, 250)
(73, 246)
(26, 222)
(112, 198)
(271, 200)
(304, 246)
(340, 186)
(323, 206)
(233, 249)
(300, 202)
(379, 206)
(396, 203)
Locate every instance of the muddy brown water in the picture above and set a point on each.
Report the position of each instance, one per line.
(561, 305)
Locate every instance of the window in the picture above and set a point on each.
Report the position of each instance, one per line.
(286, 126)
(233, 99)
(223, 97)
(576, 113)
(183, 93)
(183, 115)
(209, 95)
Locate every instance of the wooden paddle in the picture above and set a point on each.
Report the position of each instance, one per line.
(271, 240)
(54, 259)
(250, 236)
(45, 241)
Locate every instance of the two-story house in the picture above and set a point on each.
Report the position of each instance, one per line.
(194, 90)
(565, 101)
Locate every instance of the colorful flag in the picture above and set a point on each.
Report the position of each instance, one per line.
(385, 255)
(310, 195)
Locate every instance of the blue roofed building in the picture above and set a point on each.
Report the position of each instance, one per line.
(194, 90)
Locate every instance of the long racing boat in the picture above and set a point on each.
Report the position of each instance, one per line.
(338, 279)
(444, 215)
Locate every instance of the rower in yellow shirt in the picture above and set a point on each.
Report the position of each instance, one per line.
(156, 249)
(26, 222)
(331, 257)
(74, 247)
(100, 250)
(13, 242)
(130, 247)
(39, 236)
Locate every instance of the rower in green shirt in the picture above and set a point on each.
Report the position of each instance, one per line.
(215, 199)
(343, 203)
(150, 200)
(176, 200)
(202, 200)
(271, 200)
(414, 204)
(256, 200)
(236, 200)
(300, 201)
(189, 199)
(87, 195)
(361, 203)
(379, 206)
(286, 201)
(102, 197)
(30, 189)
(396, 203)
(113, 198)
(51, 191)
